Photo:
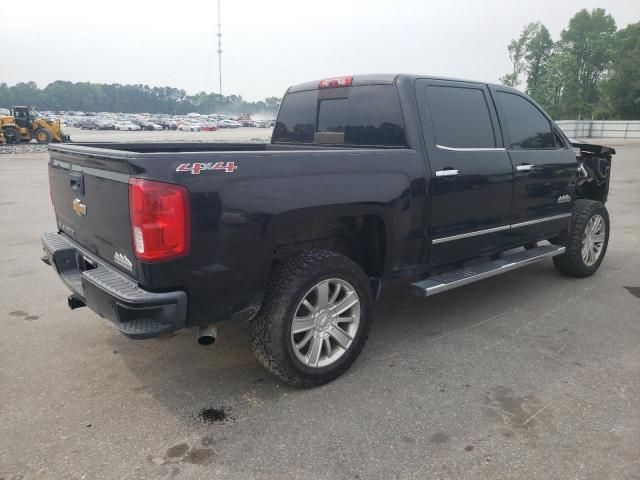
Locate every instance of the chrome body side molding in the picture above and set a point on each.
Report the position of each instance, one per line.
(436, 241)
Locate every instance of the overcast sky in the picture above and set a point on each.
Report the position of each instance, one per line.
(269, 45)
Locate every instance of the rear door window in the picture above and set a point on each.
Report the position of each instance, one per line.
(528, 128)
(460, 117)
(367, 115)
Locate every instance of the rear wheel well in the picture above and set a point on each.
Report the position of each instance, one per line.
(359, 238)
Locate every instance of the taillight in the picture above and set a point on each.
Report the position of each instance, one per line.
(160, 219)
(335, 82)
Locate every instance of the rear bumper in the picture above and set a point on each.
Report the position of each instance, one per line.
(136, 312)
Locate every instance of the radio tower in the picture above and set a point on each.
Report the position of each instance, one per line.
(219, 49)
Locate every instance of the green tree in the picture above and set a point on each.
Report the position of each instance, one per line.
(537, 52)
(5, 95)
(564, 76)
(529, 54)
(97, 97)
(23, 91)
(516, 55)
(272, 102)
(550, 90)
(589, 40)
(622, 87)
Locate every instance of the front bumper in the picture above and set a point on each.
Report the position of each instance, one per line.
(136, 312)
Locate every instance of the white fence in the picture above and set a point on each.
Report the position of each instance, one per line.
(600, 128)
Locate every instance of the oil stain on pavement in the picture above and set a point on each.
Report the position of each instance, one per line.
(21, 313)
(184, 453)
(521, 413)
(215, 415)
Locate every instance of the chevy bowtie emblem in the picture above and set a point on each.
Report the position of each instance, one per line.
(79, 207)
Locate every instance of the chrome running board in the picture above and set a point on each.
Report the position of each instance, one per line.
(464, 276)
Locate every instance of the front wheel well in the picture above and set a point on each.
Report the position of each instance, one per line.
(594, 175)
(359, 238)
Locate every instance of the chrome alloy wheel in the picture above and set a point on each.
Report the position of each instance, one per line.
(593, 240)
(325, 323)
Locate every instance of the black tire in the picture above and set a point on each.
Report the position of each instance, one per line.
(571, 262)
(270, 330)
(11, 135)
(42, 135)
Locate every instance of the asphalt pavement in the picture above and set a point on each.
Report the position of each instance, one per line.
(526, 375)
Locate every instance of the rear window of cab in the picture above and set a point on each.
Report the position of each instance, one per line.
(365, 115)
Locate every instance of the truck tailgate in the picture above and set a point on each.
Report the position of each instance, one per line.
(92, 206)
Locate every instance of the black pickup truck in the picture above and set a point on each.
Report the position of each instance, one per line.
(366, 179)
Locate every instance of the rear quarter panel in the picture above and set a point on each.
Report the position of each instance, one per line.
(238, 215)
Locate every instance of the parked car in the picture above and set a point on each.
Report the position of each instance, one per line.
(165, 123)
(105, 125)
(168, 124)
(230, 124)
(126, 125)
(366, 179)
(88, 124)
(208, 127)
(151, 126)
(189, 127)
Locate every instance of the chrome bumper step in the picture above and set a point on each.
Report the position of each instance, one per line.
(457, 278)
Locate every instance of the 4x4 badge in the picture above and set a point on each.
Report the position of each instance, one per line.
(564, 198)
(196, 168)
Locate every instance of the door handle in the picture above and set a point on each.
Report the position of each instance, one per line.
(525, 167)
(450, 172)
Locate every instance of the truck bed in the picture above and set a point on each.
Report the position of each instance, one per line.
(273, 195)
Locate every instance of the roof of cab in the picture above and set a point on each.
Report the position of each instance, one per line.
(379, 79)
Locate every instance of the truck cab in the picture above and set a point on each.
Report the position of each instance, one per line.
(492, 188)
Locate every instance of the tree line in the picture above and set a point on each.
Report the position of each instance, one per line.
(591, 71)
(99, 97)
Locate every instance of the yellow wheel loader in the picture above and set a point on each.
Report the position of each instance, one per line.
(24, 124)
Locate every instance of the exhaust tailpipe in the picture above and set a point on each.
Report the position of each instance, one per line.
(207, 334)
